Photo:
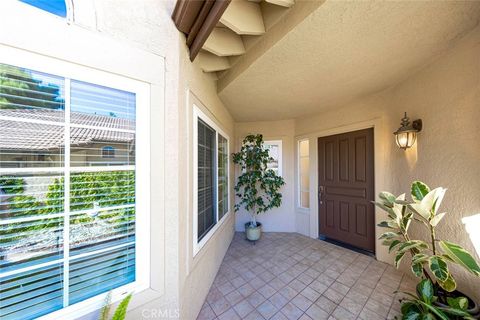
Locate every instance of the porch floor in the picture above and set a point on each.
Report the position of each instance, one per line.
(290, 276)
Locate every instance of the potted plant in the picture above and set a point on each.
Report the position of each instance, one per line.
(257, 187)
(430, 259)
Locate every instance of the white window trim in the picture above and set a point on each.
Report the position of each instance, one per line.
(299, 175)
(280, 153)
(68, 71)
(198, 114)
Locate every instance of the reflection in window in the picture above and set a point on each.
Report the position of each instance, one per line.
(222, 176)
(304, 174)
(101, 217)
(108, 152)
(275, 152)
(206, 179)
(57, 7)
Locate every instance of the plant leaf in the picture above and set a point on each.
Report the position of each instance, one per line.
(387, 196)
(389, 211)
(461, 256)
(398, 258)
(419, 190)
(121, 311)
(417, 269)
(408, 307)
(449, 284)
(436, 219)
(419, 258)
(388, 224)
(408, 245)
(439, 268)
(393, 245)
(388, 235)
(460, 303)
(425, 288)
(411, 315)
(439, 195)
(439, 313)
(104, 313)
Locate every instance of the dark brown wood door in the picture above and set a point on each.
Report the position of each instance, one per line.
(346, 188)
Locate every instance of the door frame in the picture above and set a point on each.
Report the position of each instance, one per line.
(381, 252)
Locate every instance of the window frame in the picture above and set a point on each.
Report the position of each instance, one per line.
(199, 114)
(280, 153)
(71, 71)
(299, 175)
(108, 149)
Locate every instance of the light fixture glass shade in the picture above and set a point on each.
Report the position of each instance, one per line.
(405, 139)
(406, 135)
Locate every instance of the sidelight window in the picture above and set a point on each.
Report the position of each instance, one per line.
(303, 174)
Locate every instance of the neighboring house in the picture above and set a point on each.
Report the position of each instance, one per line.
(25, 144)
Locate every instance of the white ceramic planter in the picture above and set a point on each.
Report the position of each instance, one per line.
(253, 233)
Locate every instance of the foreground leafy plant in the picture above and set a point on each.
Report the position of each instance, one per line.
(257, 187)
(421, 305)
(121, 311)
(428, 260)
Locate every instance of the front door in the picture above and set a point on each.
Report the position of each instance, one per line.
(346, 188)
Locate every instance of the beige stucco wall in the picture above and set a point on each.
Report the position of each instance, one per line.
(198, 272)
(137, 39)
(283, 218)
(446, 95)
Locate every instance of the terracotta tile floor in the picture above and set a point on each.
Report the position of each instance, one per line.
(290, 276)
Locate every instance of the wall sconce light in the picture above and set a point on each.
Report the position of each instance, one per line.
(406, 135)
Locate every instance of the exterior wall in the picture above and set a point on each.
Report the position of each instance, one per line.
(446, 96)
(282, 218)
(138, 39)
(198, 272)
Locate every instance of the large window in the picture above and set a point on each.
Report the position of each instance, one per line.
(68, 216)
(211, 187)
(303, 174)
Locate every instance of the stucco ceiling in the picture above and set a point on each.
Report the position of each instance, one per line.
(344, 50)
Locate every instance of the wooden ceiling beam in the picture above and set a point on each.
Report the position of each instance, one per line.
(197, 18)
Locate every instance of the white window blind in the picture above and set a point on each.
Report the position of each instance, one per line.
(67, 213)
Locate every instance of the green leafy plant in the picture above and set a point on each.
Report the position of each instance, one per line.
(428, 259)
(421, 305)
(257, 187)
(121, 311)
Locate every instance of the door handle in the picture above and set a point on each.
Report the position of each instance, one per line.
(321, 190)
